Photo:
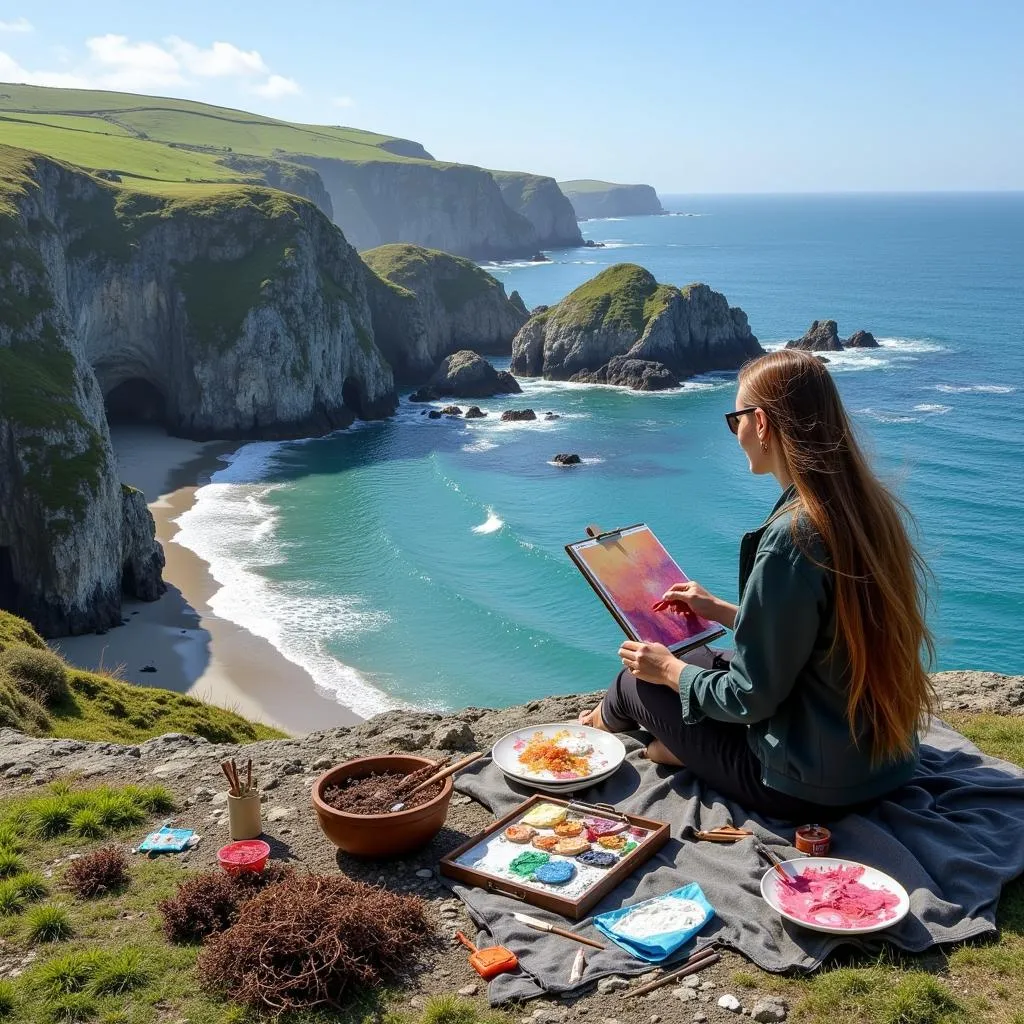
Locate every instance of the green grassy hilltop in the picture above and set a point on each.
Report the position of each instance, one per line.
(167, 140)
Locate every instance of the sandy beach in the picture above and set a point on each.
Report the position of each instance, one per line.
(193, 650)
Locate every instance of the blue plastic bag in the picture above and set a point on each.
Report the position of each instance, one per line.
(659, 946)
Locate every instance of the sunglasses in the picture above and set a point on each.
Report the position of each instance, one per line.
(733, 418)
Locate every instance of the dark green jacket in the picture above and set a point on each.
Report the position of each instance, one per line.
(783, 684)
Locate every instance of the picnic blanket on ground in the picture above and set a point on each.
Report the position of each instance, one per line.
(953, 837)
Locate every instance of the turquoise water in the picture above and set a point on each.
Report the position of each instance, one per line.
(421, 562)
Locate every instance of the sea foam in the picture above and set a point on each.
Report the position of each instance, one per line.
(491, 525)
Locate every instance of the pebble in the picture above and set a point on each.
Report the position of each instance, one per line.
(424, 873)
(271, 783)
(321, 764)
(729, 1002)
(686, 995)
(692, 981)
(469, 990)
(606, 986)
(707, 986)
(768, 1010)
(655, 1018)
(282, 814)
(699, 1017)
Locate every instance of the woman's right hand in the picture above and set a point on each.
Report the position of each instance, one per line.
(693, 597)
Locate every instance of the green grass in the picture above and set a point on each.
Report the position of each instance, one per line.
(585, 185)
(11, 863)
(623, 298)
(48, 923)
(8, 998)
(413, 267)
(103, 708)
(997, 735)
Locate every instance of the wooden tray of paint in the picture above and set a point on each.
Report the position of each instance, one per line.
(493, 861)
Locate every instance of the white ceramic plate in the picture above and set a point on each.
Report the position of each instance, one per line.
(564, 788)
(824, 921)
(606, 755)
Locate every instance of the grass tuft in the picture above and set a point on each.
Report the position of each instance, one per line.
(10, 863)
(11, 900)
(88, 824)
(8, 998)
(50, 815)
(120, 972)
(48, 923)
(449, 1009)
(72, 1009)
(29, 884)
(67, 974)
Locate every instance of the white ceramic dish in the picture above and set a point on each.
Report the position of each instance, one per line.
(872, 878)
(606, 755)
(565, 788)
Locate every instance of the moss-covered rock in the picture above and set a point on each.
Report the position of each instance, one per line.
(428, 304)
(623, 327)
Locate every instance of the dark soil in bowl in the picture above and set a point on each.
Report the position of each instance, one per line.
(377, 793)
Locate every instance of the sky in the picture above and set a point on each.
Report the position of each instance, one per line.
(723, 96)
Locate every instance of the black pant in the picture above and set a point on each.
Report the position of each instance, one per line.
(716, 752)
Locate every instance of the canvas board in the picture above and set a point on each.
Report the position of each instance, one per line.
(630, 571)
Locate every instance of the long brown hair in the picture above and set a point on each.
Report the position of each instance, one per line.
(879, 577)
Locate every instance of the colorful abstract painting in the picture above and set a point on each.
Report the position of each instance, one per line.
(633, 571)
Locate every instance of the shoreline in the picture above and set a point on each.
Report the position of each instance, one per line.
(193, 650)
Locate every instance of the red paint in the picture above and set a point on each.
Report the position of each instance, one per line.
(835, 897)
(247, 855)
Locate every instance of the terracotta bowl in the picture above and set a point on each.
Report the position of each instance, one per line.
(380, 835)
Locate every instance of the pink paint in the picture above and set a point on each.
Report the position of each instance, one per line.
(835, 897)
(597, 827)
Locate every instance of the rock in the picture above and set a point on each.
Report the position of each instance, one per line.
(408, 740)
(979, 692)
(474, 412)
(456, 736)
(609, 199)
(435, 414)
(513, 415)
(142, 557)
(424, 873)
(465, 374)
(824, 359)
(517, 300)
(424, 394)
(729, 1002)
(623, 327)
(202, 795)
(542, 203)
(148, 668)
(686, 995)
(270, 782)
(321, 764)
(861, 339)
(451, 410)
(539, 257)
(706, 986)
(821, 336)
(613, 983)
(655, 1018)
(566, 459)
(692, 981)
(469, 990)
(278, 814)
(700, 1017)
(428, 304)
(769, 1009)
(638, 374)
(552, 416)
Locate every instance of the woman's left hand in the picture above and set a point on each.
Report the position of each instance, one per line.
(653, 663)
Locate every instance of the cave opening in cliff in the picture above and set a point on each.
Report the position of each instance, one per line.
(353, 395)
(136, 401)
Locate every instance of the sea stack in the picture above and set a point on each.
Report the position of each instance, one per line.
(623, 327)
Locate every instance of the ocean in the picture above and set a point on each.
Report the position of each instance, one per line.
(420, 562)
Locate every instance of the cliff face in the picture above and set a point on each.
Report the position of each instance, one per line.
(427, 304)
(285, 175)
(452, 207)
(244, 310)
(542, 203)
(606, 199)
(622, 327)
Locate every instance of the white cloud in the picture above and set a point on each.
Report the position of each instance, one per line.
(343, 101)
(18, 25)
(277, 86)
(220, 60)
(114, 61)
(12, 71)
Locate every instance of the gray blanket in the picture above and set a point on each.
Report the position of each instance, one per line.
(954, 836)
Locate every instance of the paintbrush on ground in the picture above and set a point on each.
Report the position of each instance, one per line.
(697, 962)
(543, 926)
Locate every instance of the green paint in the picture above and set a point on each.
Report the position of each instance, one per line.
(526, 863)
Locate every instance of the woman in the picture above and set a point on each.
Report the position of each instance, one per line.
(818, 709)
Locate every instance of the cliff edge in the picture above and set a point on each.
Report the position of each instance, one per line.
(591, 198)
(428, 304)
(226, 311)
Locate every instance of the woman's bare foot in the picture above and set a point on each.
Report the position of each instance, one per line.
(658, 753)
(593, 719)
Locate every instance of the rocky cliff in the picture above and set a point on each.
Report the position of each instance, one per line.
(285, 175)
(823, 336)
(453, 207)
(542, 203)
(591, 198)
(240, 311)
(427, 304)
(622, 327)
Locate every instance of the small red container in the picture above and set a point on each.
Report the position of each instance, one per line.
(247, 855)
(813, 840)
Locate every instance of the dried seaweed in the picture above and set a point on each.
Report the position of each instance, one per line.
(98, 873)
(307, 941)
